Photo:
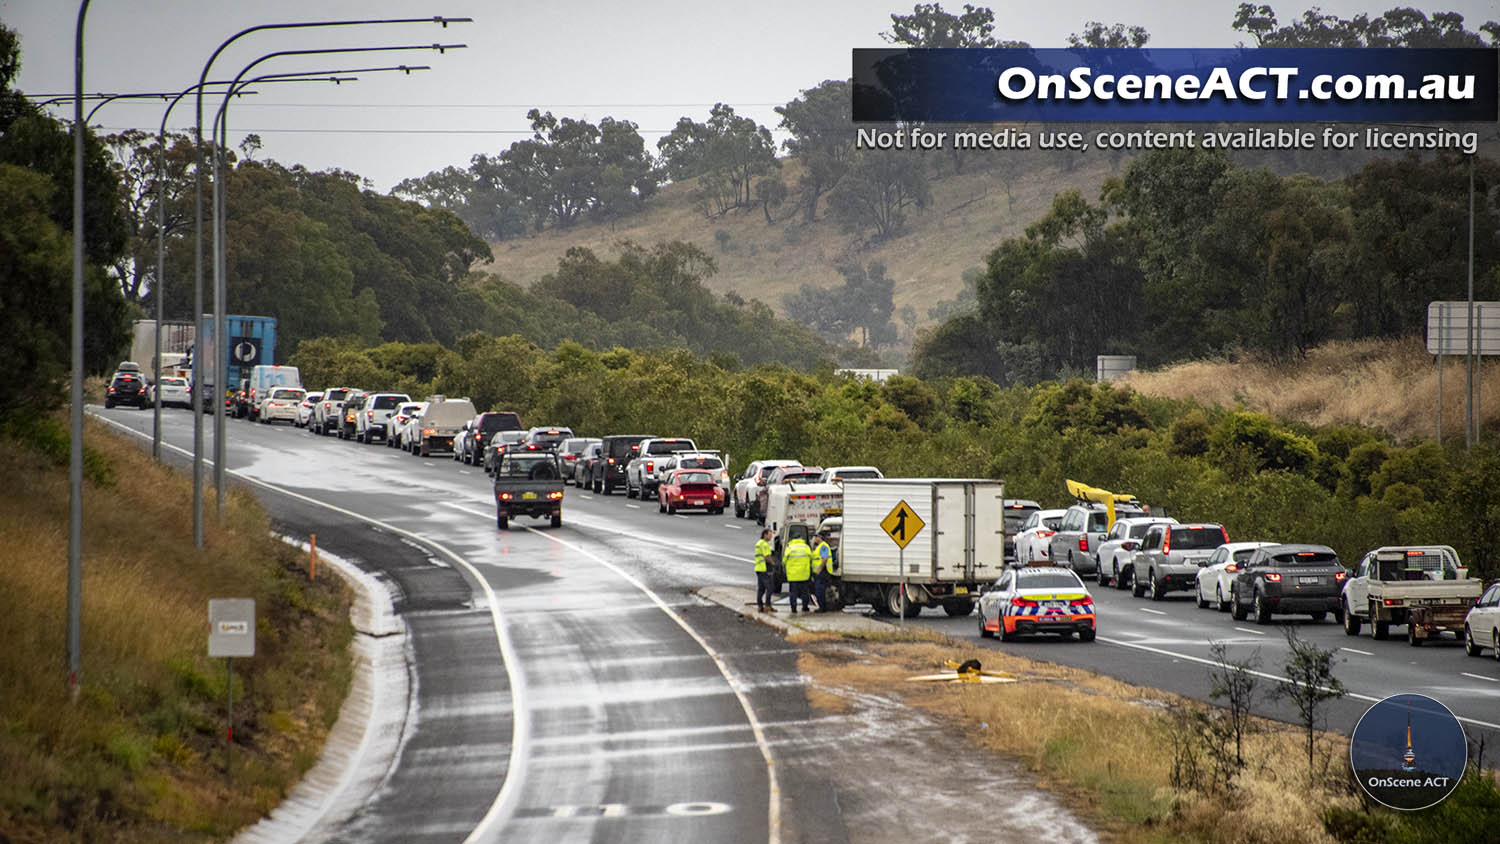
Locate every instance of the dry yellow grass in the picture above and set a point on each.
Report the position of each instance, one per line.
(139, 757)
(1101, 744)
(1387, 384)
(970, 214)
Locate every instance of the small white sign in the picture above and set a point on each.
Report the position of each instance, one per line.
(231, 627)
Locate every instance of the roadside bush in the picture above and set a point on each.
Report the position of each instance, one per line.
(1270, 445)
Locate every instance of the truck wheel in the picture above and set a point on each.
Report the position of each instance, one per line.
(1137, 586)
(1471, 647)
(557, 520)
(502, 522)
(958, 608)
(1378, 629)
(893, 602)
(629, 490)
(1351, 622)
(1262, 610)
(834, 597)
(1411, 635)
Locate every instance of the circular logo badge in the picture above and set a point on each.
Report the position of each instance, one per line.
(1408, 752)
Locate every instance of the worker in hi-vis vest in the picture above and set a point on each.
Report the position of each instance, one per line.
(763, 573)
(797, 561)
(822, 570)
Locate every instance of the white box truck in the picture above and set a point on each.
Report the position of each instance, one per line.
(959, 548)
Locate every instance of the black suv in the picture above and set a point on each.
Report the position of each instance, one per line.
(484, 426)
(127, 388)
(1289, 579)
(615, 451)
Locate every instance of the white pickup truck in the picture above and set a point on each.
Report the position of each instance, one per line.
(1424, 587)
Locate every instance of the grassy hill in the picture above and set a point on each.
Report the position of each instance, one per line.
(969, 215)
(1387, 384)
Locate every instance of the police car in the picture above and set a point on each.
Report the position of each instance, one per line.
(1037, 600)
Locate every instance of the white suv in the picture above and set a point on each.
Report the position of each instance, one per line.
(1482, 625)
(640, 481)
(280, 403)
(372, 419)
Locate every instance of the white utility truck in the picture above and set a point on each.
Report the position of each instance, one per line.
(959, 547)
(1424, 587)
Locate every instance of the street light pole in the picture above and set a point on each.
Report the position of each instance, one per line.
(75, 441)
(218, 371)
(1472, 421)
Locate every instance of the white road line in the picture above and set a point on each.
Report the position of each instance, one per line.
(1480, 677)
(1357, 651)
(633, 506)
(1278, 678)
(465, 472)
(1256, 632)
(679, 515)
(1149, 610)
(585, 496)
(734, 527)
(520, 715)
(774, 802)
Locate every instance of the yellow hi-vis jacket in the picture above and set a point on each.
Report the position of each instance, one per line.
(797, 558)
(824, 561)
(762, 551)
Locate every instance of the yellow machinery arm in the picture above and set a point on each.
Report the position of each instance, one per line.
(1084, 492)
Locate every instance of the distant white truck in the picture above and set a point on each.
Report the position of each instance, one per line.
(1424, 587)
(263, 379)
(440, 423)
(959, 548)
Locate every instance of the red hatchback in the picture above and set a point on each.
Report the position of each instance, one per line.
(690, 489)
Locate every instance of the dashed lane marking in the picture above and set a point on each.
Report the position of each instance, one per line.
(1251, 630)
(734, 527)
(1357, 651)
(1149, 610)
(1480, 677)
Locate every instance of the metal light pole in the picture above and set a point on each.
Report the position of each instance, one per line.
(1472, 420)
(75, 441)
(218, 371)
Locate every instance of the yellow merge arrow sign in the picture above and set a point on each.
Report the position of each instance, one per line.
(902, 524)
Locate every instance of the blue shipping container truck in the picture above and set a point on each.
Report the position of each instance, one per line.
(252, 342)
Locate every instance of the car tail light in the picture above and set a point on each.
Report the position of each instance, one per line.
(650, 467)
(1273, 577)
(502, 496)
(427, 432)
(369, 416)
(1340, 575)
(1231, 567)
(111, 389)
(1083, 542)
(1022, 602)
(1128, 545)
(1392, 602)
(1080, 602)
(611, 461)
(555, 495)
(1225, 533)
(1166, 542)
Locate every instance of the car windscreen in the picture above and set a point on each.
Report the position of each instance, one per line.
(623, 447)
(286, 394)
(700, 463)
(1013, 518)
(1305, 558)
(499, 421)
(858, 474)
(1194, 538)
(1138, 531)
(537, 467)
(1052, 523)
(695, 478)
(173, 382)
(669, 446)
(800, 477)
(1048, 580)
(386, 402)
(548, 439)
(335, 395)
(126, 380)
(1243, 554)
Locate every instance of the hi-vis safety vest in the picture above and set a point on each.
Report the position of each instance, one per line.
(825, 559)
(797, 558)
(762, 551)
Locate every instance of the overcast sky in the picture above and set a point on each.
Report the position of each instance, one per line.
(649, 61)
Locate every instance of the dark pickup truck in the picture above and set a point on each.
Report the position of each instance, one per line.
(528, 483)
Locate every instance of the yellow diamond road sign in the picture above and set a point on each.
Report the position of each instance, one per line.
(902, 524)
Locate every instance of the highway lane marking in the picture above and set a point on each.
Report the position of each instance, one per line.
(734, 527)
(1480, 677)
(1149, 610)
(1266, 675)
(679, 515)
(465, 472)
(756, 729)
(1357, 651)
(520, 715)
(1252, 630)
(633, 506)
(585, 496)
